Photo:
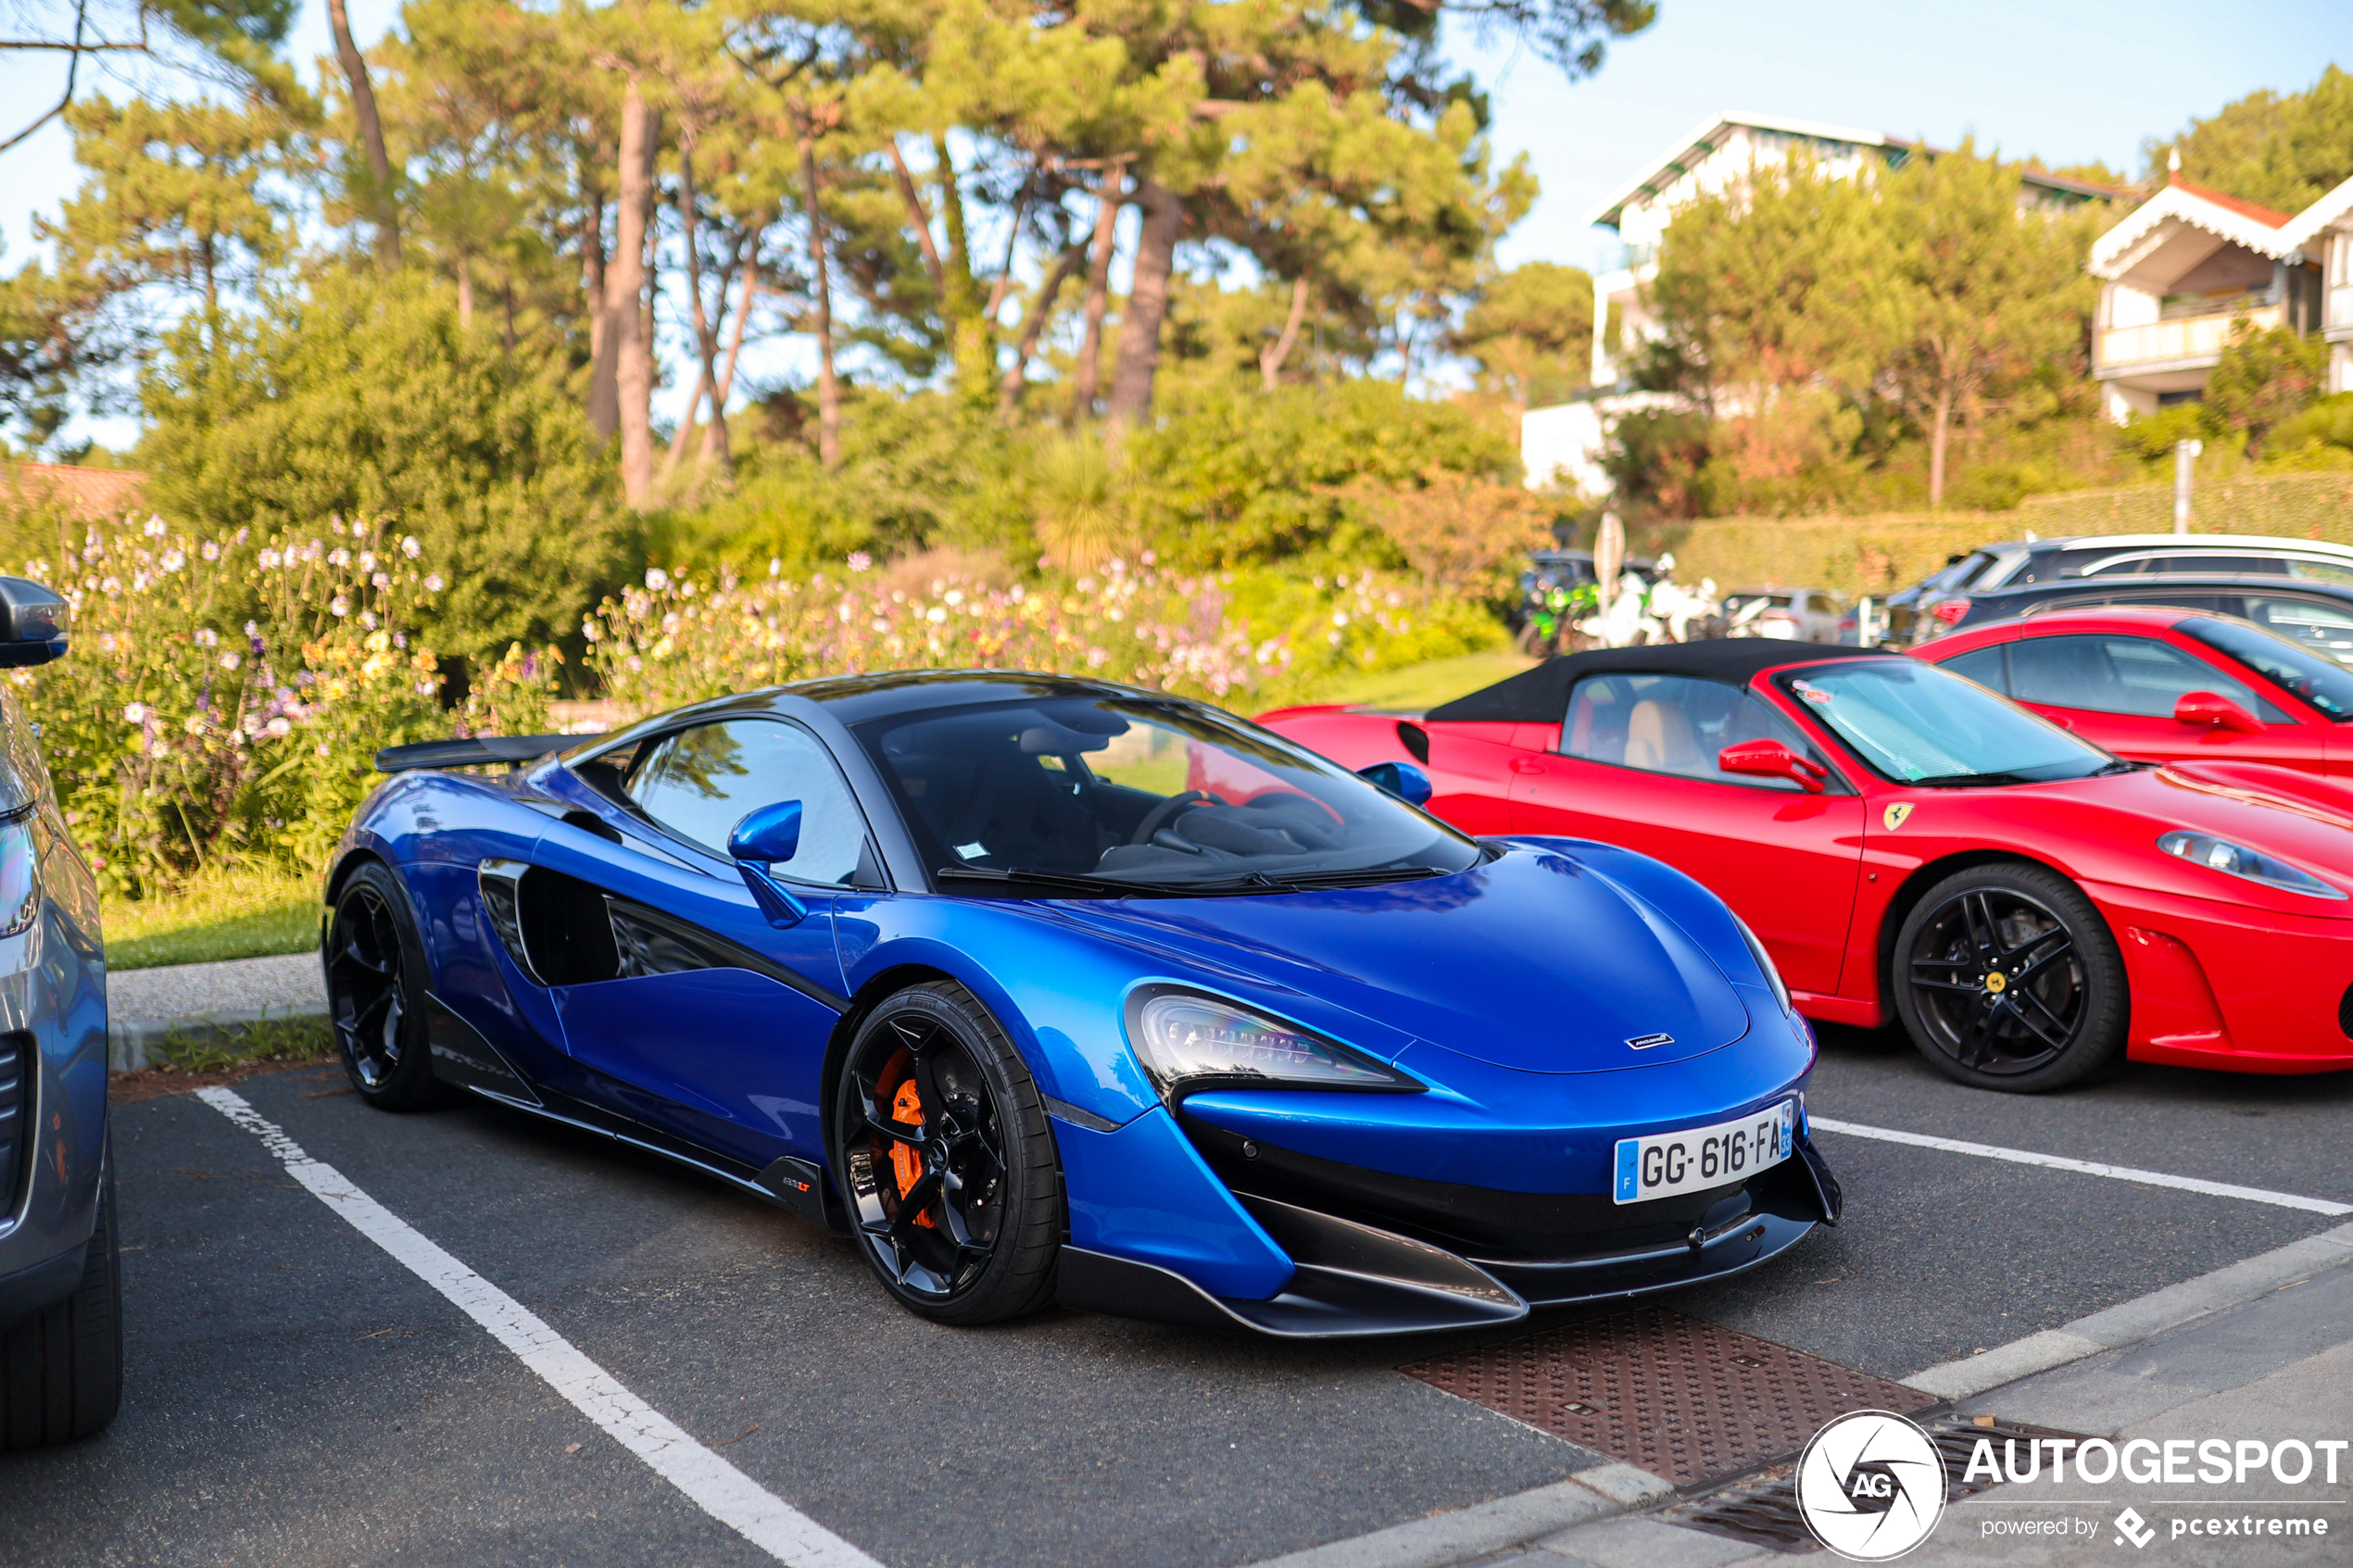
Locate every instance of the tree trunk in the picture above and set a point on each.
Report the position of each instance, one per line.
(1041, 309)
(1138, 362)
(821, 310)
(604, 396)
(625, 334)
(206, 258)
(465, 293)
(507, 294)
(372, 135)
(1090, 344)
(1271, 357)
(1003, 283)
(706, 339)
(919, 221)
(1939, 432)
(963, 288)
(735, 341)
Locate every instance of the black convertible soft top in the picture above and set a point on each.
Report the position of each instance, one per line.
(1541, 695)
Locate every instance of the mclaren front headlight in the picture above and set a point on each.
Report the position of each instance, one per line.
(1189, 1040)
(1765, 962)
(2237, 859)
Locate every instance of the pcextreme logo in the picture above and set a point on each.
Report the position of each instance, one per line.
(1870, 1486)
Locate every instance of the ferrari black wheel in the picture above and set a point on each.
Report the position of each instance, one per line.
(940, 1137)
(375, 993)
(2007, 978)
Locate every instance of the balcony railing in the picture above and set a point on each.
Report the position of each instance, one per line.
(2191, 337)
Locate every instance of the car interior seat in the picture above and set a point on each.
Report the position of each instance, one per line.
(1659, 737)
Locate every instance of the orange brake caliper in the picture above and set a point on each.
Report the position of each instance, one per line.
(907, 1108)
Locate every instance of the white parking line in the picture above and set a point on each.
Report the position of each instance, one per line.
(715, 1486)
(2084, 1167)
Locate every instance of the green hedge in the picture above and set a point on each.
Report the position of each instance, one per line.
(1878, 554)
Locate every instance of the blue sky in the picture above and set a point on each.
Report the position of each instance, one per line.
(2066, 82)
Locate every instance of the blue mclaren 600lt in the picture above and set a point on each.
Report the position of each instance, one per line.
(1043, 990)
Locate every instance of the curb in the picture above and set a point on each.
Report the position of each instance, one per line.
(131, 1043)
(1590, 1509)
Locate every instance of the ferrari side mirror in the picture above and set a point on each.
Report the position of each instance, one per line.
(32, 623)
(765, 835)
(1771, 759)
(1402, 780)
(2212, 710)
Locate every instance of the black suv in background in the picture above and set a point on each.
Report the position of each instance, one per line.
(2309, 612)
(1945, 600)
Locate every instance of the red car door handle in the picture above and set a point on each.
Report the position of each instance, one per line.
(1526, 765)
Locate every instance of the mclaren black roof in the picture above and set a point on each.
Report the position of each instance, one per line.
(1541, 695)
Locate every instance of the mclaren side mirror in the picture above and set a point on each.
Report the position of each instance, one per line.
(1771, 759)
(32, 623)
(2212, 710)
(764, 836)
(1402, 780)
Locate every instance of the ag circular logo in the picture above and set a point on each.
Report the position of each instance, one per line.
(1870, 1486)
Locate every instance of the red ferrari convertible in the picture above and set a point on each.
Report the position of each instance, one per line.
(1905, 842)
(2165, 686)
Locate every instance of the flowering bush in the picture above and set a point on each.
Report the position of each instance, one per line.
(224, 697)
(1245, 639)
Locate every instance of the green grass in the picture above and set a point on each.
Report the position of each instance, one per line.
(272, 1039)
(1420, 686)
(245, 915)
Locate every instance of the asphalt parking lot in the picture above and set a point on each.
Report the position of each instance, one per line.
(298, 1396)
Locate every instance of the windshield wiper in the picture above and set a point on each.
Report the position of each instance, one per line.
(1363, 876)
(1936, 781)
(1075, 881)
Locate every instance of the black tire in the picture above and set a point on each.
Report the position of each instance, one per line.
(2007, 978)
(61, 1369)
(376, 993)
(973, 1237)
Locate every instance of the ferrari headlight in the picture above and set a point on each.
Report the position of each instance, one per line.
(2237, 859)
(19, 878)
(1764, 962)
(1190, 1041)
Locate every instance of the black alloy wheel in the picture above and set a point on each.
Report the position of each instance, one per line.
(2007, 978)
(375, 993)
(941, 1140)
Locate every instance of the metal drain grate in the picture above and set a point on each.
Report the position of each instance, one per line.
(1681, 1398)
(1764, 1511)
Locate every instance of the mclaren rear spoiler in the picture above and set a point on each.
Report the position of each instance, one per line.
(484, 751)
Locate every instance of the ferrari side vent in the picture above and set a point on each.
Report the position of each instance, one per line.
(16, 1113)
(2344, 1012)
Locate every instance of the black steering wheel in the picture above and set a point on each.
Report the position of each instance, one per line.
(1160, 815)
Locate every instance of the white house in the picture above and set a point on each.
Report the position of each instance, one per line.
(1563, 444)
(2180, 269)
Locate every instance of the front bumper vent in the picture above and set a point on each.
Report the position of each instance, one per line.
(16, 1116)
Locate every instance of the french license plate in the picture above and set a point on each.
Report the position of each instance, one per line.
(1693, 1161)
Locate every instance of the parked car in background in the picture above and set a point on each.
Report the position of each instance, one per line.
(2309, 612)
(1797, 615)
(1943, 599)
(1909, 846)
(60, 1313)
(2162, 685)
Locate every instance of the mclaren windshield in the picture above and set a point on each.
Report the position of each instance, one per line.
(1917, 724)
(1114, 795)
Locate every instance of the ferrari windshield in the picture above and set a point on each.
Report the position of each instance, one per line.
(2321, 682)
(1917, 725)
(1134, 793)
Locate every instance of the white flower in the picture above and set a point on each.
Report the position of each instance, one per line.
(382, 579)
(210, 551)
(432, 582)
(368, 619)
(338, 605)
(589, 631)
(323, 748)
(156, 528)
(269, 560)
(367, 560)
(656, 579)
(111, 586)
(775, 565)
(231, 661)
(207, 637)
(338, 556)
(935, 615)
(174, 560)
(105, 642)
(278, 729)
(410, 547)
(135, 714)
(860, 561)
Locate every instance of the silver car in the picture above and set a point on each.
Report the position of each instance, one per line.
(60, 1317)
